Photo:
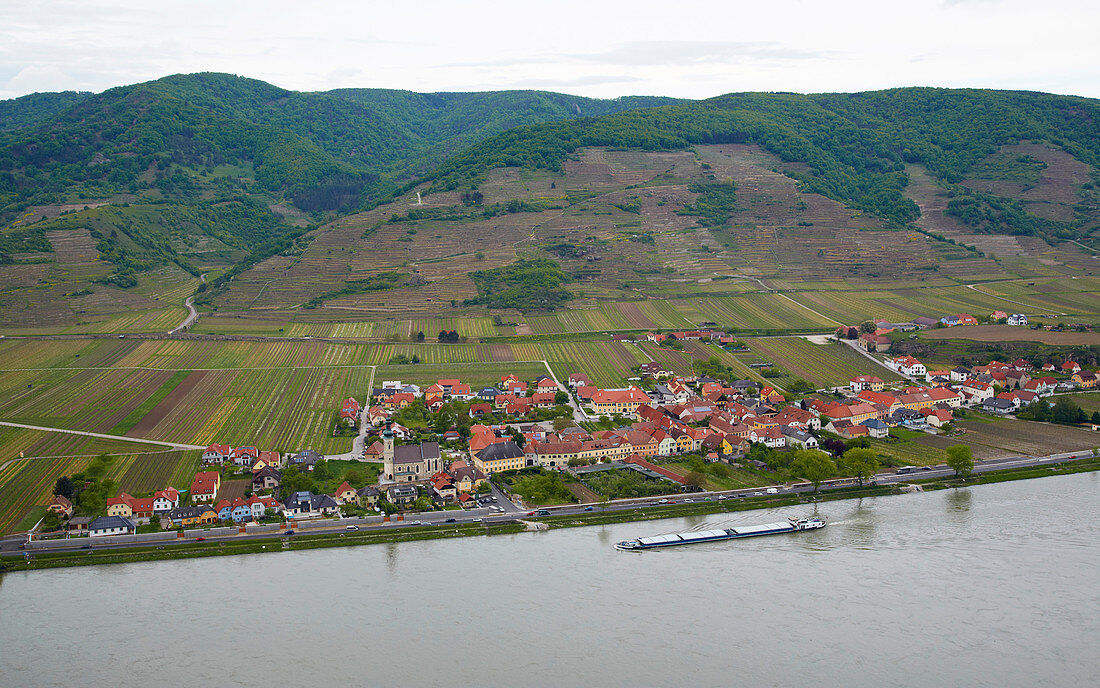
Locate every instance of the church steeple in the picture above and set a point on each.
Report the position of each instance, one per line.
(387, 451)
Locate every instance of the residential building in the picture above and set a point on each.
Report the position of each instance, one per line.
(500, 456)
(111, 525)
(205, 486)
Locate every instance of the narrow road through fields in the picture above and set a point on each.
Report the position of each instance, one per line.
(1040, 311)
(868, 356)
(358, 444)
(101, 435)
(192, 314)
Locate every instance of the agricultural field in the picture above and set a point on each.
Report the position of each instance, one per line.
(477, 375)
(607, 363)
(1007, 333)
(823, 365)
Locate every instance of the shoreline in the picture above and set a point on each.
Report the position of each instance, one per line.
(281, 543)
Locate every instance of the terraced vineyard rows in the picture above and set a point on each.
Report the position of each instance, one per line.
(823, 365)
(25, 484)
(606, 363)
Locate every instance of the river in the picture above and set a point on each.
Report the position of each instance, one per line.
(987, 586)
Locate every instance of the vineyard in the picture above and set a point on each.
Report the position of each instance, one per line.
(606, 363)
(823, 365)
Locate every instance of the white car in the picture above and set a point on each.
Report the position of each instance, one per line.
(351, 527)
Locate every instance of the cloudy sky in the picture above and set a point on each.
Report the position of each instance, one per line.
(686, 48)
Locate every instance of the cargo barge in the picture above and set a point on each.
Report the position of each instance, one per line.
(792, 525)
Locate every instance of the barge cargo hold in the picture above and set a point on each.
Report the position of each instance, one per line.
(792, 525)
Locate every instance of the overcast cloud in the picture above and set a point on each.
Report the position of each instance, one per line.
(687, 48)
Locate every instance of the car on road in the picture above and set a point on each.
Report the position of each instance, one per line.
(530, 513)
(85, 547)
(290, 532)
(477, 520)
(757, 494)
(926, 468)
(772, 490)
(723, 497)
(351, 527)
(588, 508)
(662, 501)
(449, 520)
(688, 501)
(199, 539)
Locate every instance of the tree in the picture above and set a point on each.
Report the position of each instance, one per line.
(64, 487)
(694, 479)
(50, 521)
(867, 327)
(562, 423)
(960, 459)
(861, 461)
(518, 438)
(561, 397)
(321, 470)
(813, 465)
(420, 336)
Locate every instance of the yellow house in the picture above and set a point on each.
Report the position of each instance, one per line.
(500, 456)
(1085, 379)
(118, 506)
(621, 401)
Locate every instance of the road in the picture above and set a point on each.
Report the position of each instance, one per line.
(579, 414)
(192, 314)
(101, 435)
(9, 545)
(852, 343)
(358, 445)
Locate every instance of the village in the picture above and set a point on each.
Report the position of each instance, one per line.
(439, 446)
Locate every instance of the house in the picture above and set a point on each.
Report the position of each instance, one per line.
(907, 365)
(578, 380)
(374, 451)
(978, 391)
(937, 418)
(443, 487)
(998, 406)
(61, 506)
(500, 456)
(878, 343)
(309, 505)
(870, 382)
(479, 410)
(79, 524)
(368, 495)
(165, 500)
(111, 525)
(1070, 367)
(306, 460)
(1085, 379)
(205, 486)
(346, 494)
(543, 400)
(1017, 319)
(998, 315)
(401, 494)
(260, 506)
(244, 456)
(216, 453)
(618, 401)
(876, 428)
(467, 478)
(799, 438)
(193, 515)
(1022, 365)
(545, 383)
(267, 478)
(350, 411)
(120, 506)
(377, 415)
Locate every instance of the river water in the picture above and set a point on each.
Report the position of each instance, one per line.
(989, 586)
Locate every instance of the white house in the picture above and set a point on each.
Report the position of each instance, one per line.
(111, 525)
(166, 500)
(907, 365)
(1017, 319)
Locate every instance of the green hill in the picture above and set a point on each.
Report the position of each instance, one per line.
(189, 136)
(850, 147)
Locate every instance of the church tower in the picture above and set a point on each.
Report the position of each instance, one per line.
(387, 451)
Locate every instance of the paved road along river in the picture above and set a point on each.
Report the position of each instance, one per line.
(987, 586)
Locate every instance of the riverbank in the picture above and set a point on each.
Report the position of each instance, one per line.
(47, 560)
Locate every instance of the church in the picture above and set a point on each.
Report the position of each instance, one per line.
(409, 463)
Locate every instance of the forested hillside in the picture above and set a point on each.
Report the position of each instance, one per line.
(850, 147)
(187, 137)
